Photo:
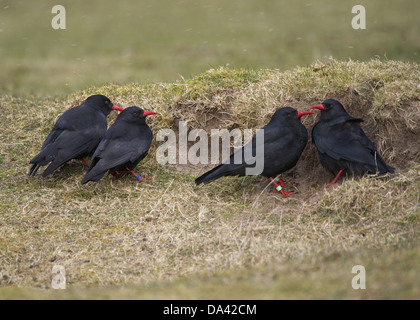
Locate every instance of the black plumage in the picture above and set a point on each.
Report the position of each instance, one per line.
(125, 144)
(284, 140)
(76, 134)
(342, 143)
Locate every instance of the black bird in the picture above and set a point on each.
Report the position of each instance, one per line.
(125, 144)
(342, 144)
(76, 134)
(285, 137)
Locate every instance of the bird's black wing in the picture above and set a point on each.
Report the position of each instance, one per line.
(116, 150)
(275, 138)
(346, 141)
(76, 132)
(71, 144)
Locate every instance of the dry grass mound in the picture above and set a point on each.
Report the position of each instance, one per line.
(385, 94)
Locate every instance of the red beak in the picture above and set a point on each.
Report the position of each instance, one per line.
(318, 106)
(115, 107)
(304, 113)
(148, 113)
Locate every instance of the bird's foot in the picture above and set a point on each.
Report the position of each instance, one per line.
(143, 179)
(138, 177)
(117, 175)
(278, 187)
(285, 194)
(278, 181)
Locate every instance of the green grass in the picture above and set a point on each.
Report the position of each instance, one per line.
(233, 238)
(391, 273)
(160, 41)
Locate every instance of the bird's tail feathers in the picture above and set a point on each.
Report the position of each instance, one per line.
(33, 169)
(93, 176)
(381, 166)
(95, 172)
(41, 159)
(220, 171)
(211, 175)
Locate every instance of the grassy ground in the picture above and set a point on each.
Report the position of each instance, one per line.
(391, 273)
(168, 238)
(158, 41)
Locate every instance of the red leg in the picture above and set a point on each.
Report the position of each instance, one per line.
(83, 161)
(138, 177)
(286, 193)
(71, 162)
(278, 187)
(64, 165)
(335, 179)
(117, 175)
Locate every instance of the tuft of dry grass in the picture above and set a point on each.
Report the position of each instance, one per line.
(169, 234)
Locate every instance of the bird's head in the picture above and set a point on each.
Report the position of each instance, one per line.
(330, 109)
(135, 114)
(103, 103)
(289, 114)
